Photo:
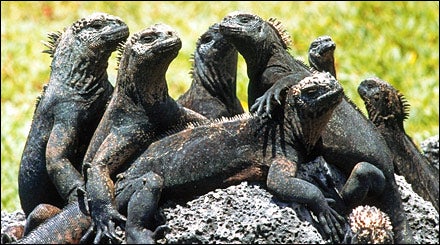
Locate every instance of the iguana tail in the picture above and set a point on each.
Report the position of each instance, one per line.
(66, 227)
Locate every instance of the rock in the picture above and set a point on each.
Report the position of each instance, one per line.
(247, 213)
(430, 150)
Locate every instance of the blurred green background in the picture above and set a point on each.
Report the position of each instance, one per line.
(396, 41)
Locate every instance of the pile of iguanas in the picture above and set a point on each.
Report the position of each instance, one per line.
(98, 157)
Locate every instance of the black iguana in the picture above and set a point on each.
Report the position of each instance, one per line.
(321, 55)
(245, 148)
(213, 89)
(272, 69)
(139, 111)
(209, 78)
(219, 154)
(387, 109)
(68, 110)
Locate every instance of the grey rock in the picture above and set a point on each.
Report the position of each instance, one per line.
(247, 213)
(430, 150)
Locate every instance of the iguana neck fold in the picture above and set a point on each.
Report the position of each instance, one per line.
(214, 68)
(145, 81)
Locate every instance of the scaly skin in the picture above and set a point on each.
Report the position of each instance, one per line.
(213, 89)
(68, 111)
(271, 66)
(140, 112)
(321, 55)
(67, 227)
(245, 148)
(387, 109)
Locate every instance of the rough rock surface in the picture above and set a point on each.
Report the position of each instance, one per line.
(247, 213)
(430, 149)
(239, 214)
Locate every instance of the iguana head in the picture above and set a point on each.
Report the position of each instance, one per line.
(80, 53)
(384, 104)
(215, 64)
(246, 30)
(157, 43)
(321, 54)
(309, 106)
(145, 58)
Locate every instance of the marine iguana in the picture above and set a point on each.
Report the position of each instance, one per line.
(387, 108)
(321, 54)
(213, 89)
(271, 69)
(139, 112)
(68, 110)
(212, 51)
(257, 148)
(253, 148)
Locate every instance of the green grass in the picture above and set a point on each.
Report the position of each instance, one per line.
(396, 41)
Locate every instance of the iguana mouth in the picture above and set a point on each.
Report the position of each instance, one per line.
(319, 97)
(331, 98)
(326, 49)
(116, 34)
(169, 45)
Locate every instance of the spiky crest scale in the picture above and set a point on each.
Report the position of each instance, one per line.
(121, 47)
(52, 43)
(405, 105)
(281, 31)
(210, 122)
(221, 120)
(39, 97)
(120, 51)
(192, 60)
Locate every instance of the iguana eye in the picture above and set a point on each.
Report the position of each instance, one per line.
(97, 25)
(206, 39)
(245, 20)
(148, 38)
(311, 91)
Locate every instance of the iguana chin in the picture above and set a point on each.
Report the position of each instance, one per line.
(68, 110)
(214, 72)
(272, 69)
(139, 112)
(387, 108)
(227, 152)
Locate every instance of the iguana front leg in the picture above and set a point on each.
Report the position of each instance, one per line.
(365, 180)
(263, 104)
(63, 141)
(118, 148)
(281, 180)
(142, 207)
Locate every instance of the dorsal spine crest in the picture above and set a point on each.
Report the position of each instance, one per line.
(281, 31)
